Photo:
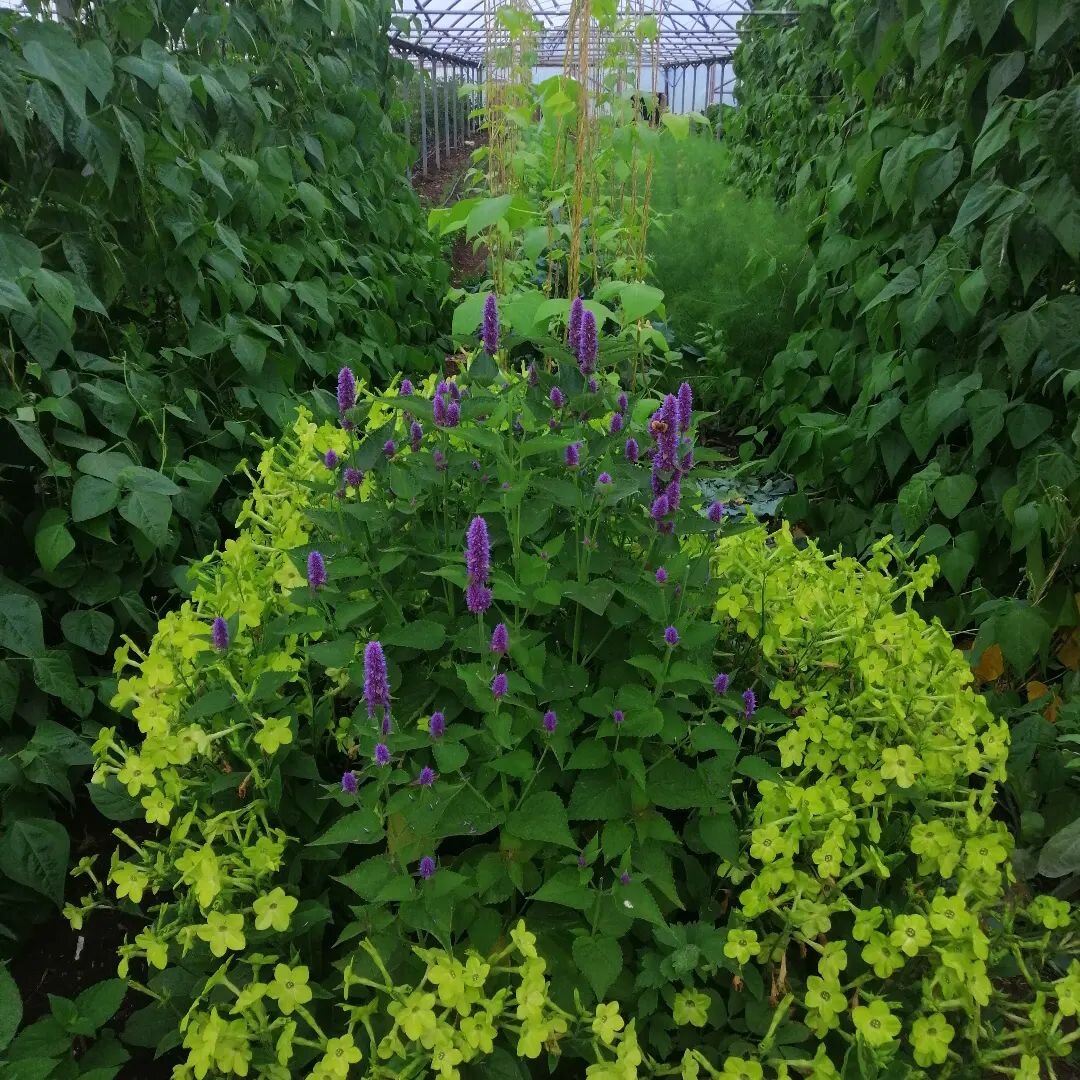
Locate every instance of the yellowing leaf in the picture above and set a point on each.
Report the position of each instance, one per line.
(991, 664)
(1068, 652)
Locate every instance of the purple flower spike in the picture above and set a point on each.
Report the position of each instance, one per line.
(478, 551)
(573, 455)
(382, 755)
(534, 378)
(416, 433)
(587, 347)
(437, 725)
(557, 397)
(749, 703)
(330, 459)
(427, 776)
(453, 414)
(632, 450)
(721, 683)
(674, 494)
(593, 387)
(573, 328)
(346, 390)
(499, 639)
(385, 726)
(406, 389)
(219, 634)
(661, 575)
(616, 424)
(491, 325)
(664, 427)
(716, 513)
(686, 407)
(376, 682)
(316, 570)
(455, 392)
(389, 448)
(671, 636)
(348, 783)
(353, 477)
(440, 461)
(427, 867)
(659, 507)
(477, 599)
(438, 410)
(550, 721)
(604, 478)
(625, 878)
(623, 402)
(617, 717)
(499, 685)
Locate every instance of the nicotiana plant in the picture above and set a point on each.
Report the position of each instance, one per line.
(488, 742)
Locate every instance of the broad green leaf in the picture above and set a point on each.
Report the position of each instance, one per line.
(91, 496)
(90, 630)
(52, 540)
(637, 300)
(34, 853)
(953, 493)
(355, 827)
(20, 624)
(600, 960)
(150, 513)
(419, 634)
(11, 1008)
(1061, 855)
(542, 817)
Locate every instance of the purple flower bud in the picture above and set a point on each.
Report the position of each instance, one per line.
(604, 478)
(348, 783)
(632, 450)
(437, 725)
(622, 402)
(534, 378)
(617, 717)
(716, 512)
(499, 639)
(721, 683)
(616, 424)
(385, 726)
(550, 721)
(416, 433)
(749, 703)
(406, 389)
(389, 448)
(671, 636)
(686, 463)
(455, 391)
(219, 634)
(330, 459)
(427, 776)
(582, 862)
(686, 407)
(477, 599)
(382, 755)
(438, 410)
(376, 681)
(346, 390)
(659, 507)
(573, 327)
(427, 867)
(625, 878)
(661, 575)
(573, 455)
(453, 414)
(665, 528)
(499, 685)
(553, 424)
(587, 346)
(353, 477)
(557, 397)
(491, 325)
(475, 464)
(316, 570)
(593, 387)
(674, 494)
(440, 461)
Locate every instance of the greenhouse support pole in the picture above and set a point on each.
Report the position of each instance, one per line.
(723, 79)
(435, 112)
(682, 87)
(423, 122)
(457, 105)
(446, 107)
(693, 96)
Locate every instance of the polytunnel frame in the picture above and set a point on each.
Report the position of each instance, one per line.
(697, 40)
